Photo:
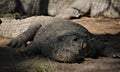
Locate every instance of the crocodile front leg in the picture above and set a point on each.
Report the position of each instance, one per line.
(26, 36)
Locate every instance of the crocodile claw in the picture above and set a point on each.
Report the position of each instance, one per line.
(112, 52)
(15, 43)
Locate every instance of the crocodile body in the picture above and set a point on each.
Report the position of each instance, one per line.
(68, 8)
(59, 39)
(11, 27)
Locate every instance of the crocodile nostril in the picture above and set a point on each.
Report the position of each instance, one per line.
(76, 39)
(0, 21)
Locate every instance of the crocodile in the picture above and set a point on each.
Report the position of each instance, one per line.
(57, 38)
(66, 8)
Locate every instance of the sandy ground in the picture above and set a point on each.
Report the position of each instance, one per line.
(106, 29)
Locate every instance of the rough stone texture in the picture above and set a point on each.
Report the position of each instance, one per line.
(68, 8)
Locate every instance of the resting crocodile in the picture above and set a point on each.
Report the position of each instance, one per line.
(56, 38)
(65, 8)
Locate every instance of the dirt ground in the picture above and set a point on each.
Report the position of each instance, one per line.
(108, 30)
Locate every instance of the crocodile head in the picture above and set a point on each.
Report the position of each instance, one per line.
(70, 48)
(66, 47)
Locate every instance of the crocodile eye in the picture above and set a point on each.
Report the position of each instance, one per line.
(60, 38)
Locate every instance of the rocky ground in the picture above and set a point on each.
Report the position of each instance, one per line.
(106, 29)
